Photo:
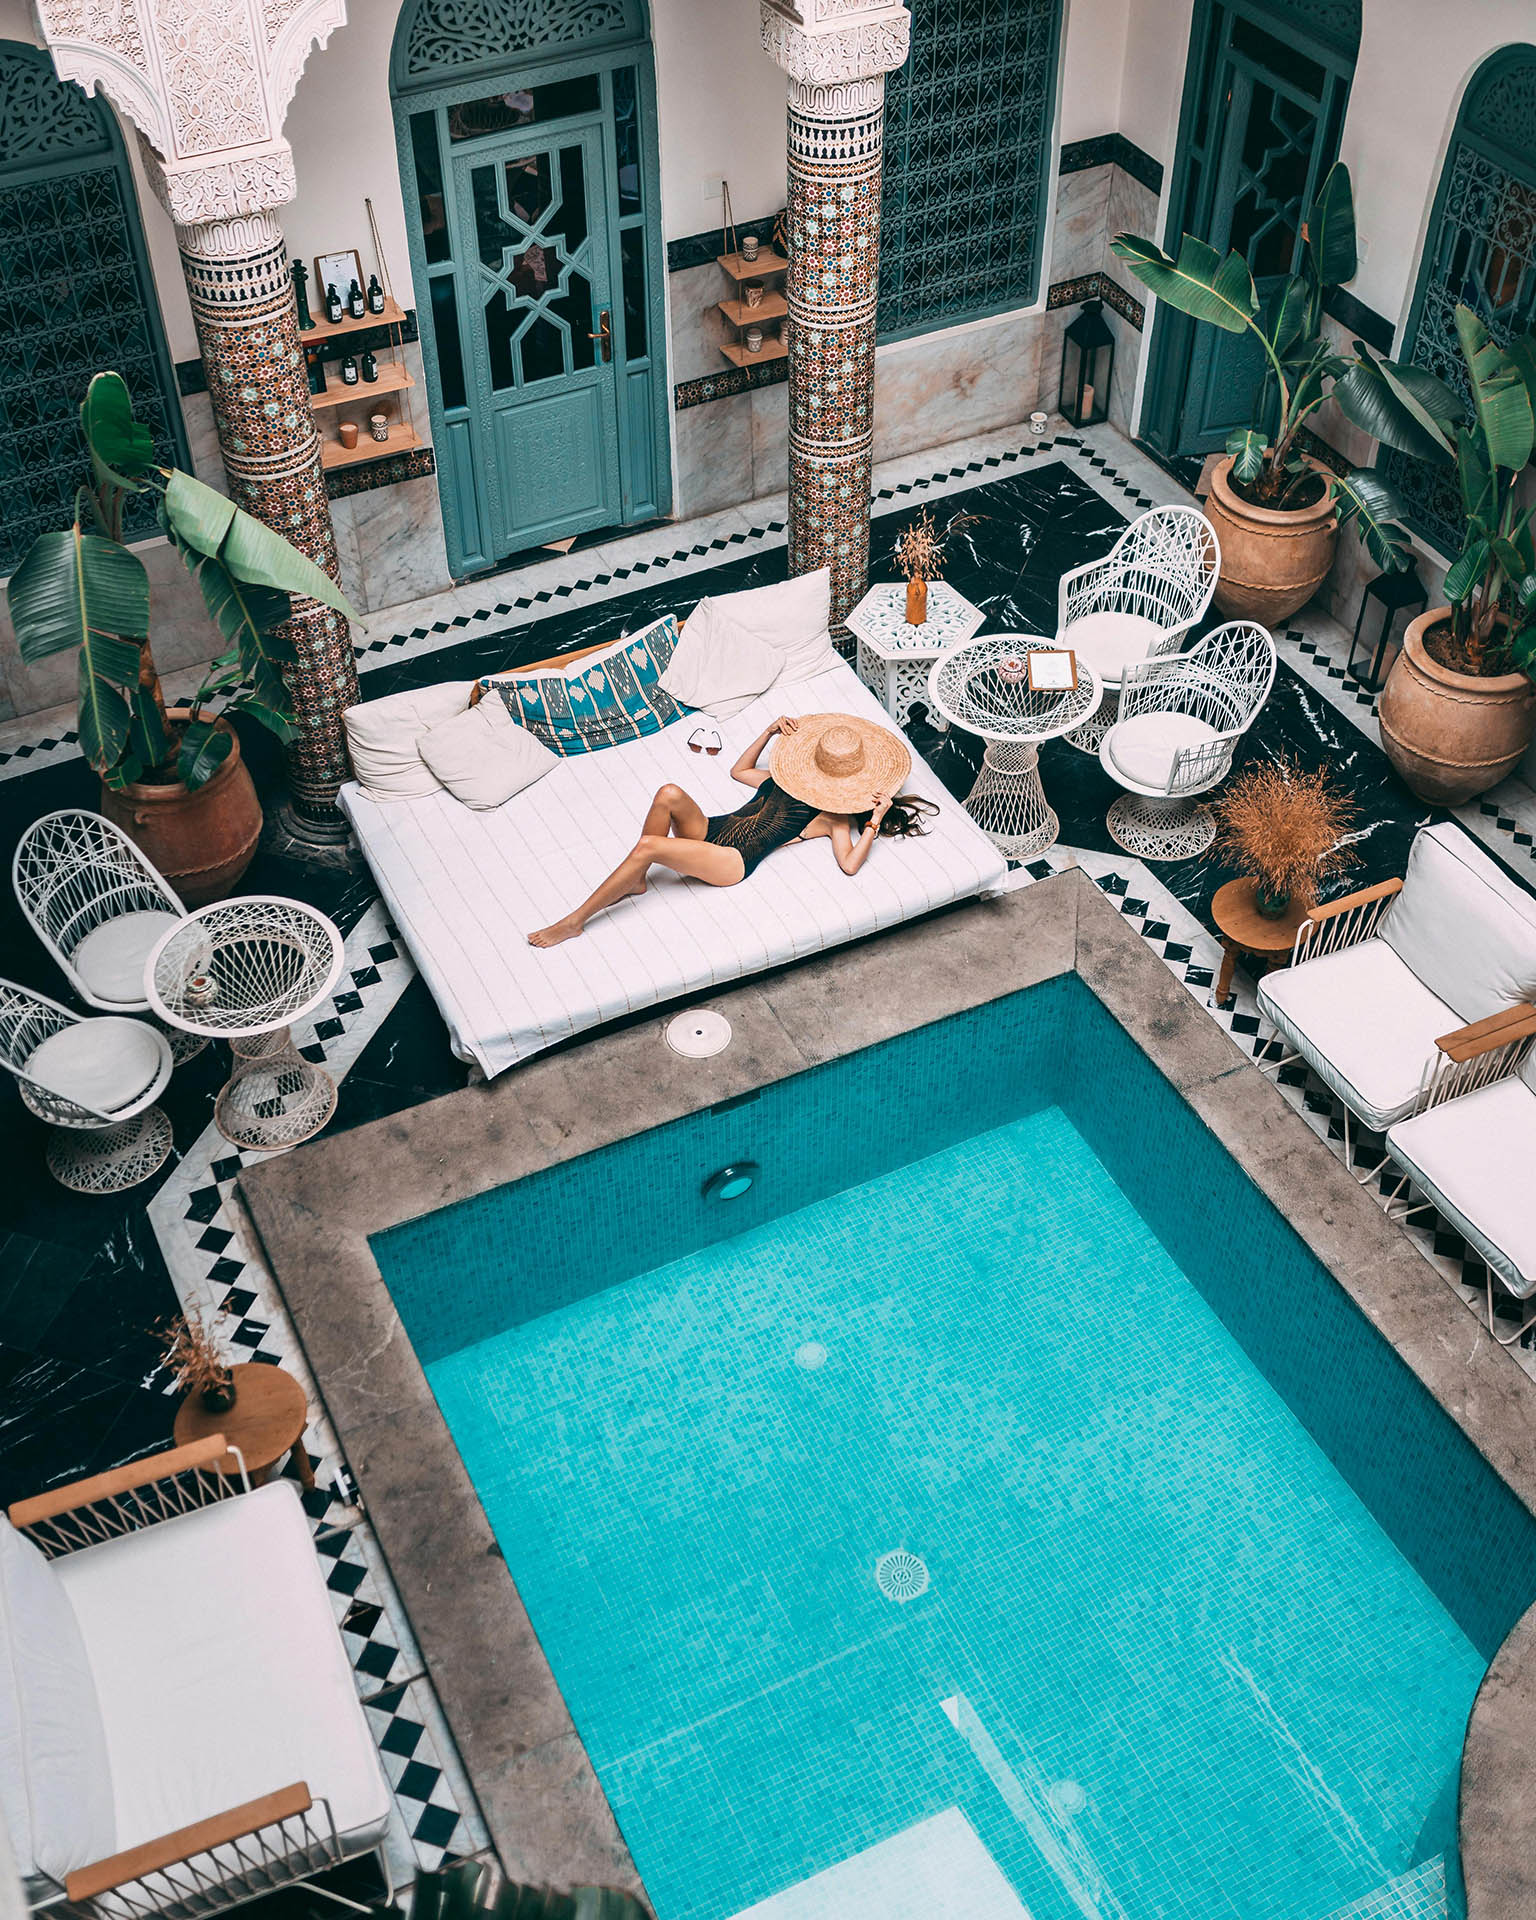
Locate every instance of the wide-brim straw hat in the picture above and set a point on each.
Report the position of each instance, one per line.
(839, 762)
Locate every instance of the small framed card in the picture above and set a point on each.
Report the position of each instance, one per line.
(338, 270)
(1052, 669)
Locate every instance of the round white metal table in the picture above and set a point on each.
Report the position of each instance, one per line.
(982, 686)
(243, 971)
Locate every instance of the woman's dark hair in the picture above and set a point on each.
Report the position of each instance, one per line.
(904, 816)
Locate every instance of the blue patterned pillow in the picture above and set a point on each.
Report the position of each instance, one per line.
(607, 699)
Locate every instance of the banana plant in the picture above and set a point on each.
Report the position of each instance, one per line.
(84, 588)
(1301, 367)
(1491, 585)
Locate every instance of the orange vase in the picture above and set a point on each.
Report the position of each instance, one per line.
(917, 602)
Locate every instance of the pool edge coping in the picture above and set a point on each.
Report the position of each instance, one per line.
(316, 1208)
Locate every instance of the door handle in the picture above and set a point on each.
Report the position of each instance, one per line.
(604, 334)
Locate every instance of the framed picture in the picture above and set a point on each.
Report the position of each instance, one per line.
(1052, 669)
(338, 270)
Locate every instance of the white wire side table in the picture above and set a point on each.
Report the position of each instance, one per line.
(242, 971)
(982, 686)
(893, 658)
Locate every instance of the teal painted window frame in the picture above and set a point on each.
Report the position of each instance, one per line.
(644, 431)
(1431, 498)
(106, 152)
(899, 318)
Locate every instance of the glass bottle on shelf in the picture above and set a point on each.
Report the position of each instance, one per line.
(349, 371)
(333, 306)
(356, 306)
(375, 294)
(301, 295)
(369, 365)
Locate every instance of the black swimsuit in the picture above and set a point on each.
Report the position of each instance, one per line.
(768, 821)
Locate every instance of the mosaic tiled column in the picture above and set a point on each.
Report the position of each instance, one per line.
(248, 333)
(837, 55)
(207, 88)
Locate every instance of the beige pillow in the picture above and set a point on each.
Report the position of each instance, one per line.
(792, 616)
(482, 756)
(383, 737)
(719, 665)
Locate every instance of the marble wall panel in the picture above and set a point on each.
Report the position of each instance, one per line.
(399, 535)
(714, 455)
(946, 386)
(697, 325)
(1131, 208)
(1082, 207)
(770, 440)
(203, 441)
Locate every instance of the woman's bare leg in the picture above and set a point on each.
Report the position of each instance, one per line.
(674, 811)
(719, 866)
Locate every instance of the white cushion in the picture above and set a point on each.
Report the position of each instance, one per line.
(1473, 1157)
(482, 756)
(720, 666)
(1364, 1024)
(1466, 929)
(383, 737)
(110, 959)
(55, 1784)
(219, 1669)
(105, 1064)
(1142, 749)
(793, 616)
(1111, 642)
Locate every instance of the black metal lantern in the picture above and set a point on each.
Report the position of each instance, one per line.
(1087, 358)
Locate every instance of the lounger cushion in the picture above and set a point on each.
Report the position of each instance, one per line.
(720, 666)
(1142, 750)
(384, 738)
(104, 1064)
(110, 959)
(1364, 1024)
(1463, 926)
(55, 1782)
(604, 700)
(793, 616)
(219, 1669)
(1111, 642)
(1473, 1157)
(482, 756)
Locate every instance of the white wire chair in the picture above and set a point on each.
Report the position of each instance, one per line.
(1137, 602)
(95, 1082)
(99, 907)
(1180, 721)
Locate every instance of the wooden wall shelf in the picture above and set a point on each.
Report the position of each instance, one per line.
(403, 438)
(739, 356)
(767, 262)
(392, 316)
(393, 378)
(772, 306)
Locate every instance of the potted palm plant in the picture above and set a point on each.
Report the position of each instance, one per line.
(1276, 512)
(1458, 708)
(172, 777)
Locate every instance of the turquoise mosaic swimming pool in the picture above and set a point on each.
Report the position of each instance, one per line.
(998, 1489)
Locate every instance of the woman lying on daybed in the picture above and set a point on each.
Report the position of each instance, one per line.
(834, 777)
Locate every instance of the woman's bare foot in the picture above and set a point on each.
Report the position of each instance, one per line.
(566, 929)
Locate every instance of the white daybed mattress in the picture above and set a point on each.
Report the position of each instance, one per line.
(465, 888)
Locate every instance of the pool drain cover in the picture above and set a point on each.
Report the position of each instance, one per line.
(901, 1576)
(1068, 1798)
(698, 1033)
(811, 1356)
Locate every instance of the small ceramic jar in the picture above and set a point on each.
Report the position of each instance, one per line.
(346, 432)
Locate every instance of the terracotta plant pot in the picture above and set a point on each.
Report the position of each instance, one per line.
(201, 839)
(1271, 563)
(917, 602)
(1452, 735)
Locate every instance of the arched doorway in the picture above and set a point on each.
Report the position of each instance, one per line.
(527, 141)
(1480, 252)
(76, 296)
(1264, 97)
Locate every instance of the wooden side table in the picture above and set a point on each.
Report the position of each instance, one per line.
(1248, 934)
(265, 1423)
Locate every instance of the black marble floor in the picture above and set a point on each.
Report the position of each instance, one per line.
(81, 1279)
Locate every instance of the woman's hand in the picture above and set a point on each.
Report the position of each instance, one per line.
(880, 809)
(786, 723)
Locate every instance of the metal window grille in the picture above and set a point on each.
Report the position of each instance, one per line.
(75, 298)
(1480, 253)
(967, 159)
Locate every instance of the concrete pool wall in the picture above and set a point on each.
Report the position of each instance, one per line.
(316, 1209)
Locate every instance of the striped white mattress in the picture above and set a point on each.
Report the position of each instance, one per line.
(465, 888)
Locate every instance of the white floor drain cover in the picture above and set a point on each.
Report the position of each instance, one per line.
(811, 1356)
(1068, 1798)
(698, 1033)
(901, 1576)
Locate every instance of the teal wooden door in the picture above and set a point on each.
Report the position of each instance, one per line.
(533, 232)
(1261, 124)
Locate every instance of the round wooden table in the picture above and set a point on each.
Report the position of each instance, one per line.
(1248, 934)
(265, 1423)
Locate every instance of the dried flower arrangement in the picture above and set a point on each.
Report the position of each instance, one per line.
(1288, 827)
(192, 1354)
(919, 548)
